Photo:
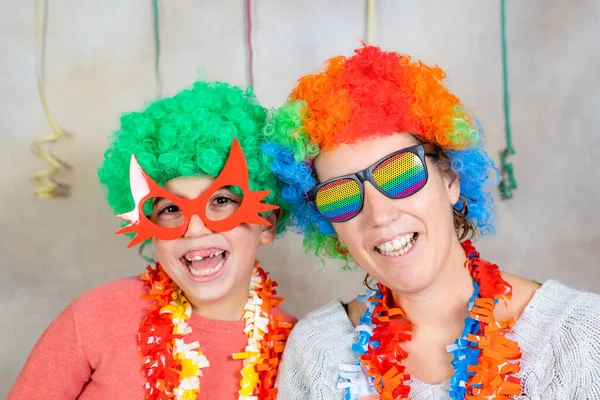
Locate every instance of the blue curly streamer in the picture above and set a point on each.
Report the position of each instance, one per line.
(465, 353)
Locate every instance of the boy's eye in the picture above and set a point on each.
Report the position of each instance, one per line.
(222, 200)
(170, 209)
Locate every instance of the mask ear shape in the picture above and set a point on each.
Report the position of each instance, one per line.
(142, 188)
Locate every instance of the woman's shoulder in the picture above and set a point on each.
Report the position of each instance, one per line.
(557, 305)
(329, 317)
(557, 320)
(324, 330)
(558, 334)
(571, 311)
(318, 344)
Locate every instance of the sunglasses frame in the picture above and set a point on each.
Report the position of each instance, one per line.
(421, 150)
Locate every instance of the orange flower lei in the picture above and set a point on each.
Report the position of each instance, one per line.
(173, 367)
(491, 378)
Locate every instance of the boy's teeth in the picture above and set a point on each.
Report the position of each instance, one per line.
(206, 271)
(199, 258)
(398, 246)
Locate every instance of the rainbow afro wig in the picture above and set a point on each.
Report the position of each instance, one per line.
(190, 134)
(370, 94)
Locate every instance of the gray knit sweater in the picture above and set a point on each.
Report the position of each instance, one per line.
(558, 333)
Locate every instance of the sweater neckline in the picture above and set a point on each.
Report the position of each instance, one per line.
(216, 325)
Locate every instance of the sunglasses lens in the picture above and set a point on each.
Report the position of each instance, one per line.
(339, 200)
(401, 175)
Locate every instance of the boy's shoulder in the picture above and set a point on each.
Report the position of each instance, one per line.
(287, 317)
(114, 302)
(121, 290)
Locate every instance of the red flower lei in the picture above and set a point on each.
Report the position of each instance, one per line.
(493, 376)
(156, 339)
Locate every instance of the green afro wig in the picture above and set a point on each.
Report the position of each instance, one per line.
(190, 134)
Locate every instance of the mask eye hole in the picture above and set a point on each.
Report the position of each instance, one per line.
(163, 212)
(224, 202)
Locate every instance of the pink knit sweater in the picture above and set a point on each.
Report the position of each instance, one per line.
(90, 350)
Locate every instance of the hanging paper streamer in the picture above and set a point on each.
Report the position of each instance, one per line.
(49, 188)
(370, 21)
(157, 48)
(250, 51)
(507, 181)
(142, 250)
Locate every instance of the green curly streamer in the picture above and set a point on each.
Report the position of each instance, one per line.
(507, 180)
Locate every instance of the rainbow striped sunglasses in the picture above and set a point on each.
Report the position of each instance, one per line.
(397, 175)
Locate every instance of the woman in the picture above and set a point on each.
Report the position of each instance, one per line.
(400, 184)
(203, 322)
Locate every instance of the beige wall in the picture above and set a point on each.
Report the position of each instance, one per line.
(100, 63)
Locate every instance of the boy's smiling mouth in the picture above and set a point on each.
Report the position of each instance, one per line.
(205, 262)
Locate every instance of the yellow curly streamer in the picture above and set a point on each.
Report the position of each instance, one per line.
(251, 356)
(49, 189)
(370, 21)
(249, 380)
(190, 356)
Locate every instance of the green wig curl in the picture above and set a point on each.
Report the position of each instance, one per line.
(190, 134)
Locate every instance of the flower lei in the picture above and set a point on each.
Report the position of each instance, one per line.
(173, 367)
(483, 358)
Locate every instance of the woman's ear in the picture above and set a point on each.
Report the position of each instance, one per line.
(452, 186)
(267, 234)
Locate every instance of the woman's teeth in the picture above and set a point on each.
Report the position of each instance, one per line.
(206, 271)
(398, 246)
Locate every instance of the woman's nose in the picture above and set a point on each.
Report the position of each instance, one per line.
(379, 209)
